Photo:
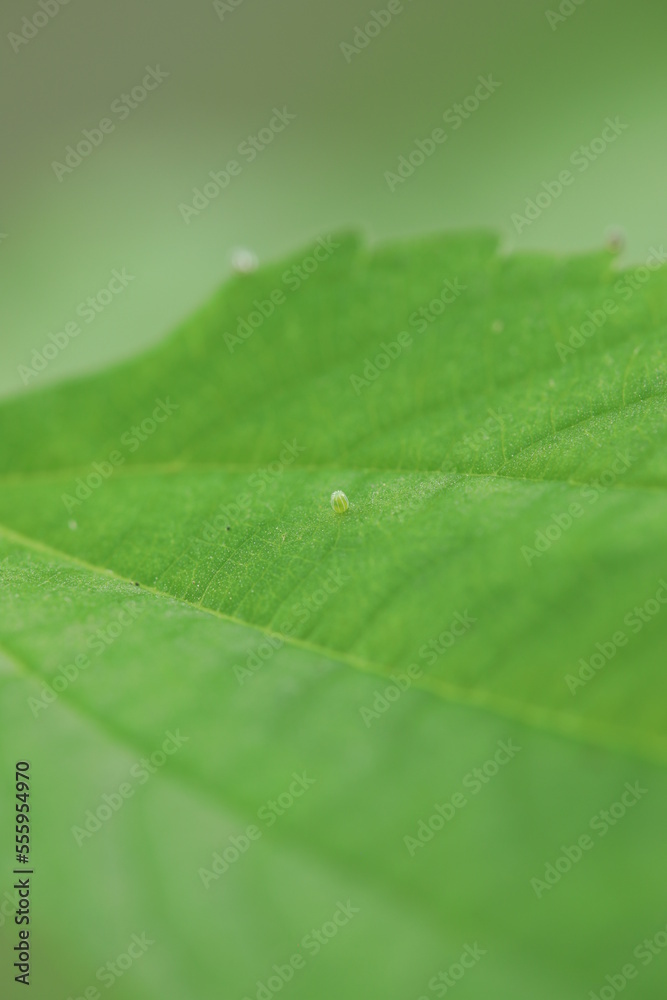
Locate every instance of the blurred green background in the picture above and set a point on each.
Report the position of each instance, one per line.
(228, 69)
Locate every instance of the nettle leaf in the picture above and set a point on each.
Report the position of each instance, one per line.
(355, 754)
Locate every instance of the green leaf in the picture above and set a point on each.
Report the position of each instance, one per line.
(477, 643)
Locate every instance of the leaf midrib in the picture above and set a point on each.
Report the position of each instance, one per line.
(539, 718)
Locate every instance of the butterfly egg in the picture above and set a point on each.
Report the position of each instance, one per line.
(339, 501)
(244, 261)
